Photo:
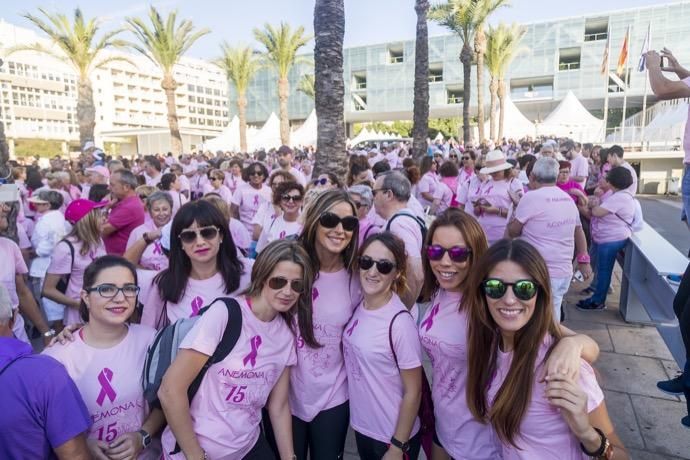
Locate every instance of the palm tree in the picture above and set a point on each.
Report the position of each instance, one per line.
(459, 17)
(240, 65)
(420, 128)
(329, 31)
(164, 43)
(281, 46)
(503, 43)
(78, 47)
(483, 10)
(306, 86)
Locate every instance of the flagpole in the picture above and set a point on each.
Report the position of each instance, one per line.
(646, 86)
(606, 74)
(627, 83)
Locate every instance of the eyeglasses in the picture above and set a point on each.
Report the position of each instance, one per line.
(523, 289)
(322, 181)
(452, 156)
(108, 291)
(383, 266)
(456, 253)
(293, 198)
(331, 220)
(207, 233)
(465, 158)
(213, 179)
(376, 190)
(278, 282)
(358, 204)
(256, 173)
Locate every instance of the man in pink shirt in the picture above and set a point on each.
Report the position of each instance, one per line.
(126, 212)
(579, 166)
(614, 159)
(547, 218)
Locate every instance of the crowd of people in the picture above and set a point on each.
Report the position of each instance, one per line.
(341, 288)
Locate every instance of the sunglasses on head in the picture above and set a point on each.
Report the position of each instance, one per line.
(322, 181)
(331, 220)
(523, 289)
(256, 173)
(293, 198)
(207, 233)
(278, 282)
(383, 266)
(456, 253)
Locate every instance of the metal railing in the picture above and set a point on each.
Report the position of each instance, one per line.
(435, 78)
(596, 36)
(646, 295)
(563, 66)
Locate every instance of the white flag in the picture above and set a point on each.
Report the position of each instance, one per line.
(645, 47)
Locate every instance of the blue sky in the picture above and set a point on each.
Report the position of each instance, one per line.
(366, 21)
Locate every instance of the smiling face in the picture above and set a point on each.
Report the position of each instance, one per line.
(375, 283)
(449, 274)
(291, 206)
(201, 250)
(335, 240)
(161, 212)
(510, 313)
(563, 175)
(283, 299)
(117, 310)
(256, 177)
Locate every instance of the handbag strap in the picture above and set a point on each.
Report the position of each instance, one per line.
(390, 335)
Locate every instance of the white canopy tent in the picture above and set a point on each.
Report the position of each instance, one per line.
(515, 124)
(571, 119)
(267, 137)
(305, 134)
(229, 139)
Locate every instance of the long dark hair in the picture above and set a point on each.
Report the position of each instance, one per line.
(509, 406)
(287, 251)
(172, 282)
(94, 269)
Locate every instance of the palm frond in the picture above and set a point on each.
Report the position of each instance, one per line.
(281, 45)
(503, 44)
(239, 64)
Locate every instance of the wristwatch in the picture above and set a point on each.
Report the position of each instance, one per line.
(145, 438)
(404, 446)
(605, 451)
(49, 333)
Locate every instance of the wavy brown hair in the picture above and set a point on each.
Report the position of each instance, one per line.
(397, 247)
(514, 396)
(474, 237)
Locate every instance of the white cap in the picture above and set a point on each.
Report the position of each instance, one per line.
(89, 145)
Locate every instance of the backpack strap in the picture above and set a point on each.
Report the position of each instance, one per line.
(420, 222)
(390, 335)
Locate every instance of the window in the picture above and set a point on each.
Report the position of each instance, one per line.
(359, 81)
(596, 29)
(454, 96)
(569, 59)
(395, 55)
(435, 73)
(360, 102)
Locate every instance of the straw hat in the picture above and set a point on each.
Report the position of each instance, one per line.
(495, 161)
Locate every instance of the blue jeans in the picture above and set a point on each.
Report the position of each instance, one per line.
(606, 258)
(685, 190)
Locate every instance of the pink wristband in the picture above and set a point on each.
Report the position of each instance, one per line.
(583, 259)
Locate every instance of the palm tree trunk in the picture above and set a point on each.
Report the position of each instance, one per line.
(493, 89)
(242, 113)
(86, 110)
(502, 102)
(4, 153)
(283, 92)
(466, 59)
(480, 49)
(420, 128)
(329, 32)
(169, 85)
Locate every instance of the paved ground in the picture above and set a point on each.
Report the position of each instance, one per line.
(663, 214)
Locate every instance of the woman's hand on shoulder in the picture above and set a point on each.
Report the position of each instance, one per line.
(564, 360)
(66, 335)
(566, 394)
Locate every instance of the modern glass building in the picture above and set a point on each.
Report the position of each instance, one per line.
(559, 55)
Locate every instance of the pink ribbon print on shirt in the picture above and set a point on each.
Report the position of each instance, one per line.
(427, 323)
(104, 379)
(314, 294)
(253, 354)
(196, 305)
(352, 328)
(157, 249)
(256, 201)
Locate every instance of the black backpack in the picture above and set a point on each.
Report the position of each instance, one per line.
(419, 220)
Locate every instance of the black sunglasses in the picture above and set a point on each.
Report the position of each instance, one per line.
(293, 198)
(456, 253)
(207, 233)
(278, 282)
(109, 291)
(465, 158)
(523, 289)
(256, 173)
(452, 156)
(383, 266)
(321, 181)
(358, 204)
(331, 220)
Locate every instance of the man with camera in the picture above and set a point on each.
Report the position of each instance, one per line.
(671, 89)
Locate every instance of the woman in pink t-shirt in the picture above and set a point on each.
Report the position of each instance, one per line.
(444, 196)
(429, 181)
(288, 196)
(144, 247)
(569, 186)
(383, 356)
(203, 266)
(249, 196)
(170, 184)
(233, 174)
(553, 415)
(318, 384)
(105, 359)
(215, 184)
(467, 171)
(224, 418)
(87, 218)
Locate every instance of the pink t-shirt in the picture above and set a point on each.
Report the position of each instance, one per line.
(468, 192)
(444, 194)
(223, 191)
(464, 176)
(373, 379)
(549, 218)
(633, 187)
(226, 411)
(125, 216)
(197, 294)
(407, 229)
(248, 199)
(178, 200)
(232, 182)
(185, 185)
(153, 257)
(570, 185)
(278, 229)
(109, 381)
(427, 184)
(544, 432)
(240, 236)
(496, 193)
(579, 166)
(61, 264)
(615, 226)
(686, 135)
(319, 381)
(443, 332)
(13, 265)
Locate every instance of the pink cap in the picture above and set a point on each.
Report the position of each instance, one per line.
(81, 207)
(102, 170)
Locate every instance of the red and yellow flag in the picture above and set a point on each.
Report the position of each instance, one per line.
(623, 57)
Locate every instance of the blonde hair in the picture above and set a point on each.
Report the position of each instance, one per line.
(87, 230)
